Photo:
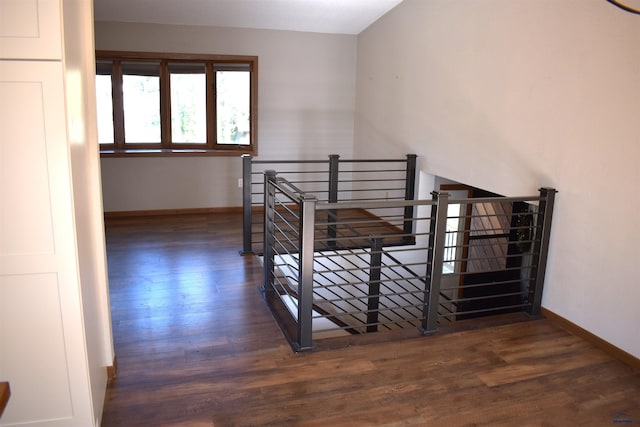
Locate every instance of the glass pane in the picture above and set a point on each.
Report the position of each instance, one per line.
(141, 102)
(104, 109)
(233, 107)
(188, 103)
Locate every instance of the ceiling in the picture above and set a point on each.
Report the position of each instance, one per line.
(318, 16)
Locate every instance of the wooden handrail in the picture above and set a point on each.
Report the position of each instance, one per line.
(5, 392)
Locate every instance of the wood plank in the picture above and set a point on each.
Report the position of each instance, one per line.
(197, 346)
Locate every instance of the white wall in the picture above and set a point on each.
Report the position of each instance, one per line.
(79, 65)
(510, 96)
(55, 333)
(305, 110)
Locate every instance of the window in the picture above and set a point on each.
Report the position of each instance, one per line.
(157, 104)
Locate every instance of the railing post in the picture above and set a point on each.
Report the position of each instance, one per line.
(269, 228)
(373, 300)
(305, 272)
(334, 163)
(410, 194)
(334, 177)
(437, 237)
(541, 247)
(246, 204)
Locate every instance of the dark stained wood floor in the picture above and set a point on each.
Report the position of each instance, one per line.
(197, 346)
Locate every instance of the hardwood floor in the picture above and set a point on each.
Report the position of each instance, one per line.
(197, 346)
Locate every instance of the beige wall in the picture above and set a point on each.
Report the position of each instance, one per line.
(305, 110)
(514, 95)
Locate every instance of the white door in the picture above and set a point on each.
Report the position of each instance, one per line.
(42, 349)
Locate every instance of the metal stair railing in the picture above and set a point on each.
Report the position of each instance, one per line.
(331, 180)
(354, 282)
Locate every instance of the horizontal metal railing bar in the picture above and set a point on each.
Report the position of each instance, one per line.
(359, 220)
(485, 258)
(368, 219)
(290, 227)
(409, 248)
(355, 284)
(406, 287)
(328, 270)
(354, 314)
(384, 312)
(357, 238)
(406, 267)
(475, 200)
(374, 180)
(487, 310)
(285, 228)
(332, 278)
(282, 185)
(338, 278)
(381, 215)
(361, 190)
(386, 278)
(466, 273)
(483, 285)
(488, 234)
(285, 285)
(361, 294)
(284, 246)
(332, 290)
(367, 199)
(360, 317)
(287, 208)
(381, 267)
(254, 161)
(363, 231)
(373, 205)
(372, 160)
(297, 173)
(348, 302)
(484, 246)
(306, 181)
(407, 264)
(366, 171)
(354, 223)
(359, 305)
(364, 227)
(480, 244)
(415, 296)
(281, 267)
(340, 160)
(260, 175)
(488, 297)
(287, 192)
(486, 215)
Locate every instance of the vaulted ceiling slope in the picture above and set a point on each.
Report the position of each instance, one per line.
(317, 16)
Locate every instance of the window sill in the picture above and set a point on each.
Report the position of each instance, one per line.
(186, 152)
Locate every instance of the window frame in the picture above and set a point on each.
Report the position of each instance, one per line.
(166, 147)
